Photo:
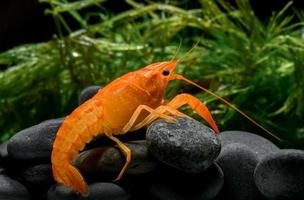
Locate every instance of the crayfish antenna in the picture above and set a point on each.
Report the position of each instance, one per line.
(180, 77)
(177, 51)
(188, 52)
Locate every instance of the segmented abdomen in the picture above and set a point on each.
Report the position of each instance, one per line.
(78, 128)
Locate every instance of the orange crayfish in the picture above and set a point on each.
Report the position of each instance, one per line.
(130, 102)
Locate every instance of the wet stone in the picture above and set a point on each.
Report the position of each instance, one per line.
(187, 144)
(280, 176)
(38, 178)
(88, 93)
(4, 159)
(238, 163)
(12, 190)
(34, 142)
(3, 151)
(97, 191)
(2, 171)
(174, 184)
(256, 143)
(110, 159)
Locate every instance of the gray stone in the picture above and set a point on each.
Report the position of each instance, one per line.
(97, 191)
(12, 190)
(187, 144)
(256, 143)
(110, 159)
(88, 93)
(238, 162)
(34, 142)
(280, 175)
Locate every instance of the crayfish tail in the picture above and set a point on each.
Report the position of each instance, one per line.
(75, 132)
(69, 176)
(76, 180)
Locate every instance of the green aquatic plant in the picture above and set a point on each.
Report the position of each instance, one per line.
(255, 65)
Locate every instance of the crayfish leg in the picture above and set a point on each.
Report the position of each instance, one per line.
(151, 117)
(196, 105)
(137, 112)
(126, 151)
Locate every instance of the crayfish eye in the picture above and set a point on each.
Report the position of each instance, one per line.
(166, 72)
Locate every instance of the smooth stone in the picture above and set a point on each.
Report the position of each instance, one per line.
(2, 171)
(97, 191)
(12, 190)
(88, 93)
(238, 162)
(256, 143)
(4, 159)
(38, 178)
(34, 142)
(186, 144)
(179, 185)
(3, 151)
(281, 175)
(110, 159)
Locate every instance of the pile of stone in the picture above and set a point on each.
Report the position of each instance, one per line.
(170, 160)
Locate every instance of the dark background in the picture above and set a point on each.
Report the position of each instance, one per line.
(23, 21)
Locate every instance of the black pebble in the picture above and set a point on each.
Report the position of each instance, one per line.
(238, 162)
(12, 190)
(97, 191)
(280, 176)
(34, 142)
(187, 144)
(88, 93)
(256, 143)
